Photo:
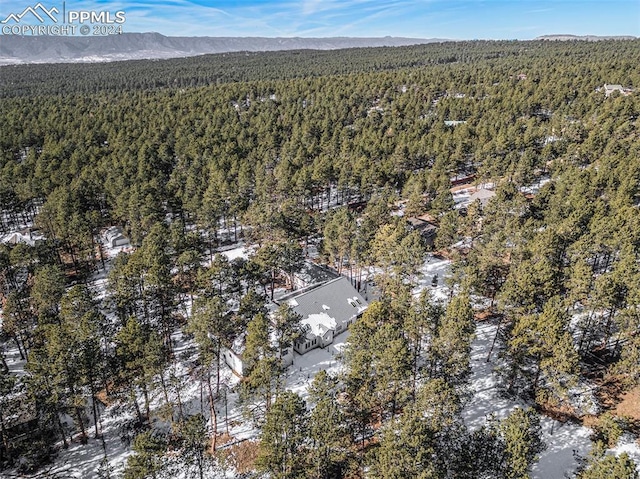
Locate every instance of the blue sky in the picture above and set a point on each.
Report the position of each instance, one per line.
(455, 19)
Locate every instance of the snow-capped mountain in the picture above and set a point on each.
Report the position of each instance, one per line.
(16, 49)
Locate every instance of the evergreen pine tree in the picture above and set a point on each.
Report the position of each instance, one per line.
(283, 438)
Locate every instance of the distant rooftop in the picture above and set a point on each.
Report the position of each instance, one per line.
(482, 195)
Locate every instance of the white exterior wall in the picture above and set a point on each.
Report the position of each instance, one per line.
(287, 357)
(307, 345)
(327, 338)
(119, 241)
(233, 361)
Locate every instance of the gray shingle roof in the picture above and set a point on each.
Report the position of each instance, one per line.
(482, 195)
(336, 299)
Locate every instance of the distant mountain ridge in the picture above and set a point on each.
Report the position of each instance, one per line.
(588, 38)
(16, 49)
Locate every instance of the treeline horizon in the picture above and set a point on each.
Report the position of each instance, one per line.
(212, 69)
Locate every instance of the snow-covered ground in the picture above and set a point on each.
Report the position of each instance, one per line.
(630, 445)
(235, 252)
(83, 461)
(566, 441)
(440, 269)
(534, 189)
(462, 194)
(562, 439)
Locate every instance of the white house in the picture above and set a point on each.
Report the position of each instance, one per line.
(115, 237)
(326, 311)
(609, 89)
(25, 236)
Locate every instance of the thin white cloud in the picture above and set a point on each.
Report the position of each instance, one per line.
(278, 18)
(416, 18)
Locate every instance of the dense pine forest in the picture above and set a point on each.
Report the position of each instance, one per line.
(320, 157)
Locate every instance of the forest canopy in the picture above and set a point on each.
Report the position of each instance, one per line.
(288, 150)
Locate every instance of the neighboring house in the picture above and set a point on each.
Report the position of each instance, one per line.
(25, 236)
(482, 195)
(115, 237)
(610, 89)
(326, 311)
(426, 228)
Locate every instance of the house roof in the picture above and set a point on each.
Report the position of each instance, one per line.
(15, 238)
(113, 233)
(482, 195)
(421, 225)
(609, 89)
(328, 305)
(320, 323)
(426, 229)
